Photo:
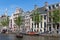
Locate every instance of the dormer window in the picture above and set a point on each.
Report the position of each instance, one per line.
(49, 7)
(53, 6)
(57, 5)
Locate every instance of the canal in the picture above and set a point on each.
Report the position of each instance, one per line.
(25, 37)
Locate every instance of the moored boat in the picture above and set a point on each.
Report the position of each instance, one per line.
(32, 33)
(19, 35)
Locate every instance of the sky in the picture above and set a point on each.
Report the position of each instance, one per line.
(26, 5)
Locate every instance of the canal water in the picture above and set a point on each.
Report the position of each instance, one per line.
(25, 37)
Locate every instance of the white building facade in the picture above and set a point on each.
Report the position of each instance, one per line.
(12, 24)
(27, 21)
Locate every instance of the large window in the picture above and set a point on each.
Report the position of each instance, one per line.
(49, 19)
(41, 24)
(49, 28)
(44, 24)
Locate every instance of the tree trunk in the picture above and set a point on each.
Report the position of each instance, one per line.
(37, 26)
(59, 27)
(18, 29)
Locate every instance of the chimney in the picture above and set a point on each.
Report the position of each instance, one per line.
(46, 3)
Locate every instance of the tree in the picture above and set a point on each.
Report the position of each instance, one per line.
(36, 17)
(5, 22)
(18, 21)
(56, 17)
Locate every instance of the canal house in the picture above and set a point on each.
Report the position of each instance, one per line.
(46, 24)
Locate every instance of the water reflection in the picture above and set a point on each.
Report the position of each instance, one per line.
(49, 38)
(7, 37)
(31, 38)
(12, 37)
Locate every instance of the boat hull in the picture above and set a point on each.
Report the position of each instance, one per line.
(19, 35)
(32, 33)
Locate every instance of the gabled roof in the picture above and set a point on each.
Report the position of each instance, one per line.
(41, 10)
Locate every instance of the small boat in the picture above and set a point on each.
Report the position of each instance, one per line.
(4, 30)
(19, 35)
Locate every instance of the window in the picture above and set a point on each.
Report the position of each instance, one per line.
(45, 17)
(46, 10)
(41, 24)
(35, 25)
(44, 24)
(53, 6)
(49, 19)
(53, 25)
(49, 28)
(40, 30)
(57, 5)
